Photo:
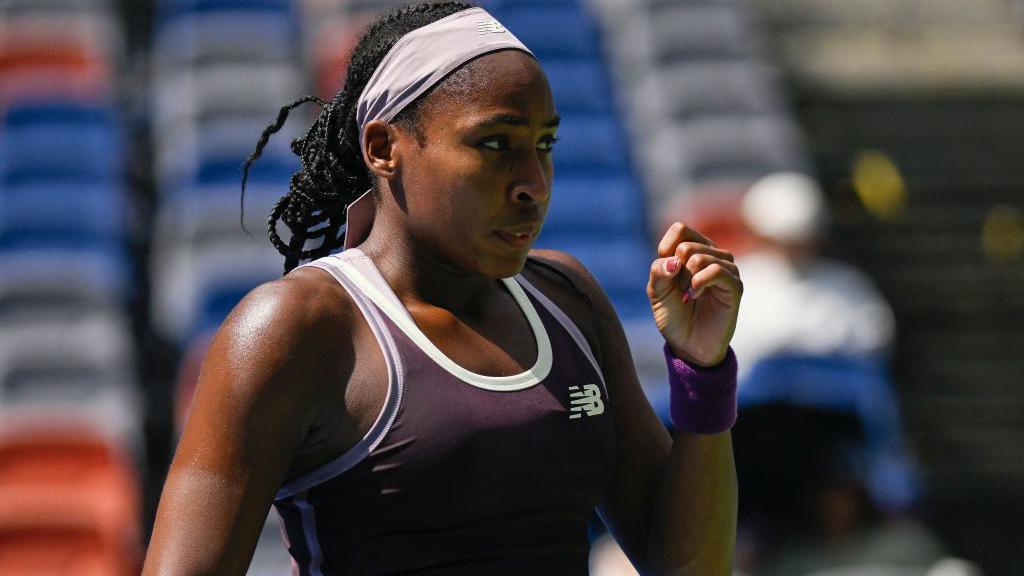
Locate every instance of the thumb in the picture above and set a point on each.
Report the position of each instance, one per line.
(668, 277)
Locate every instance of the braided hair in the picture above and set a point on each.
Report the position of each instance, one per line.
(333, 173)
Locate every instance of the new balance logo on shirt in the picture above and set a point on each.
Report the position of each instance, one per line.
(585, 401)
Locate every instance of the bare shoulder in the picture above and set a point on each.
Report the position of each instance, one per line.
(285, 329)
(305, 299)
(259, 395)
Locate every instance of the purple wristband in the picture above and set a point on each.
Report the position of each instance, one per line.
(702, 400)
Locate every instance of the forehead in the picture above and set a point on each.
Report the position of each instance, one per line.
(508, 81)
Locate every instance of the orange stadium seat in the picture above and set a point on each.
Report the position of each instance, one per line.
(33, 70)
(66, 490)
(62, 533)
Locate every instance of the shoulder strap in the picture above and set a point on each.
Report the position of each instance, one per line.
(387, 415)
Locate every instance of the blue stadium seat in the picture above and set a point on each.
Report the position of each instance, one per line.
(267, 170)
(559, 30)
(66, 113)
(610, 206)
(56, 140)
(89, 209)
(590, 145)
(57, 152)
(171, 8)
(579, 86)
(101, 269)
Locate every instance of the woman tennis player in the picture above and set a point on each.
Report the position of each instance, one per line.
(438, 398)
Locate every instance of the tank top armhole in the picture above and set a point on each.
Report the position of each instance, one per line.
(392, 402)
(567, 323)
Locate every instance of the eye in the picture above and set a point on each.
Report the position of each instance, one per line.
(495, 143)
(547, 143)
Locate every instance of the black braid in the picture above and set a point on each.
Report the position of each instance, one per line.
(282, 117)
(333, 173)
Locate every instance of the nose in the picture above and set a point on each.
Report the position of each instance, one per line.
(531, 183)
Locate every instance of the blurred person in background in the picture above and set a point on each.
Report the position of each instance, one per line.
(799, 301)
(825, 484)
(323, 395)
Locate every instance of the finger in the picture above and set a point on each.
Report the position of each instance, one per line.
(665, 273)
(686, 249)
(700, 261)
(676, 233)
(716, 276)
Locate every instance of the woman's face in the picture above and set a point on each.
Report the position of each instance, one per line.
(477, 176)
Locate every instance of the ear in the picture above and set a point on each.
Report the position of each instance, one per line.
(380, 148)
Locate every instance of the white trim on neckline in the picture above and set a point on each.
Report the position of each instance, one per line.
(538, 372)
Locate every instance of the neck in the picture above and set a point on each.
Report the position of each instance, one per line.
(419, 275)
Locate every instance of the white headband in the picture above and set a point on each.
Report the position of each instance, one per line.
(421, 58)
(417, 62)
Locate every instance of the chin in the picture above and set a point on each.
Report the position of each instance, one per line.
(503, 266)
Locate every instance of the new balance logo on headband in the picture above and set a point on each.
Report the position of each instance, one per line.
(586, 401)
(489, 27)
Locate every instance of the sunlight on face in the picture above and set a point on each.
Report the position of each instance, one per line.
(478, 182)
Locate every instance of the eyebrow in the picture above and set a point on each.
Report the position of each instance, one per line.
(513, 120)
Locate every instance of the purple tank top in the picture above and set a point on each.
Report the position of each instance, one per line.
(461, 473)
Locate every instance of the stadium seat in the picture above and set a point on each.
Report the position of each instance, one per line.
(692, 89)
(65, 55)
(52, 149)
(63, 6)
(606, 207)
(258, 37)
(558, 30)
(590, 146)
(687, 32)
(211, 214)
(223, 170)
(213, 151)
(69, 503)
(579, 86)
(239, 89)
(45, 282)
(80, 209)
(79, 368)
(168, 10)
(182, 278)
(93, 31)
(59, 535)
(731, 147)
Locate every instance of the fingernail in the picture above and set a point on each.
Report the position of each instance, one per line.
(672, 265)
(689, 295)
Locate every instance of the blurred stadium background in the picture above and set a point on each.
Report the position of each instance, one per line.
(124, 125)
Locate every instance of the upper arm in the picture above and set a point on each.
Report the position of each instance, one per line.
(253, 406)
(643, 445)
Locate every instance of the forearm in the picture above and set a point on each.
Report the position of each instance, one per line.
(693, 524)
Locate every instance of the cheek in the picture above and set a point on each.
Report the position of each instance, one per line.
(447, 197)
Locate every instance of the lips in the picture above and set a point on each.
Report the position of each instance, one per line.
(519, 237)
